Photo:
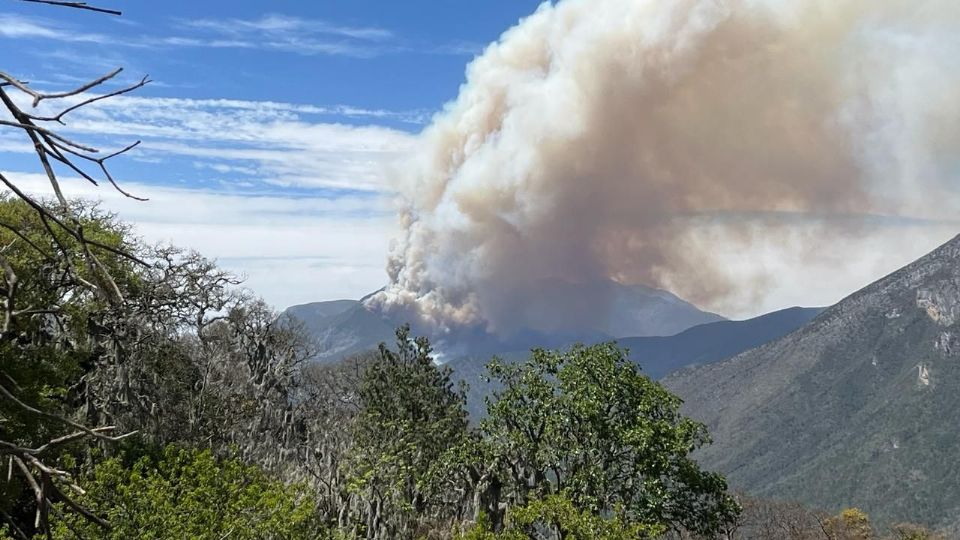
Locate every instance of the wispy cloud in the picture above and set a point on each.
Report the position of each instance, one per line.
(291, 249)
(20, 27)
(282, 25)
(266, 143)
(281, 33)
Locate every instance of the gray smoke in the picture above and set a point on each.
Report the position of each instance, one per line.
(619, 139)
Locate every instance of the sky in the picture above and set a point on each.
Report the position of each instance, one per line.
(270, 128)
(268, 125)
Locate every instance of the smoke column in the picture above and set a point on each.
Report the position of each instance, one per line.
(616, 139)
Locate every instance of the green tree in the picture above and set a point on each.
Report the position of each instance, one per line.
(849, 524)
(185, 493)
(557, 517)
(411, 414)
(585, 422)
(54, 327)
(186, 357)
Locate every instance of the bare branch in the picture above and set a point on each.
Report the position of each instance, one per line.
(92, 432)
(76, 5)
(47, 132)
(58, 117)
(38, 97)
(77, 435)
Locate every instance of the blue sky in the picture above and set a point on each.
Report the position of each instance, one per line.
(268, 126)
(270, 129)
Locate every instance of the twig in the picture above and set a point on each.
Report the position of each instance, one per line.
(54, 442)
(92, 432)
(76, 5)
(58, 117)
(47, 132)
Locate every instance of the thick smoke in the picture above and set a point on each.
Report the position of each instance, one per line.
(616, 139)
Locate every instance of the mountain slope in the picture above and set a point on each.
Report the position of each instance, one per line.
(658, 356)
(611, 309)
(860, 407)
(341, 328)
(706, 343)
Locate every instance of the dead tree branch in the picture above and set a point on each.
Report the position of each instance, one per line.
(75, 5)
(66, 251)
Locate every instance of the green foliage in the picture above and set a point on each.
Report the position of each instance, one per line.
(189, 494)
(849, 524)
(586, 423)
(411, 414)
(556, 516)
(50, 321)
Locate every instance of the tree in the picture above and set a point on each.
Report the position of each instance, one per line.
(411, 414)
(763, 519)
(69, 249)
(584, 422)
(328, 404)
(555, 516)
(183, 493)
(849, 524)
(912, 531)
(188, 357)
(55, 328)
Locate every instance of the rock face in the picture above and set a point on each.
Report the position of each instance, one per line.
(860, 407)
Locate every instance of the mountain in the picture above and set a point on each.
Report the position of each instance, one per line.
(608, 308)
(860, 407)
(345, 327)
(658, 356)
(707, 343)
(341, 328)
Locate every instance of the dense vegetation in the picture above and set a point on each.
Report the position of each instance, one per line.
(219, 427)
(220, 406)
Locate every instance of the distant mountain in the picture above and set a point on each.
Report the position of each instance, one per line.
(608, 308)
(345, 327)
(342, 328)
(860, 407)
(707, 343)
(658, 356)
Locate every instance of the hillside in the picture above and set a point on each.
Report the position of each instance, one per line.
(658, 356)
(706, 343)
(341, 328)
(857, 408)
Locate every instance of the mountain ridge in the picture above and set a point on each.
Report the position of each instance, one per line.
(345, 327)
(850, 409)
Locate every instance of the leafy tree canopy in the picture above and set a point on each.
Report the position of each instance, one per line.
(185, 493)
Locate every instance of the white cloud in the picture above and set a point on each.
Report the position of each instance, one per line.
(289, 34)
(281, 33)
(19, 27)
(276, 143)
(292, 250)
(286, 25)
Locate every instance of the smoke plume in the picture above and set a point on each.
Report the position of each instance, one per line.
(619, 139)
